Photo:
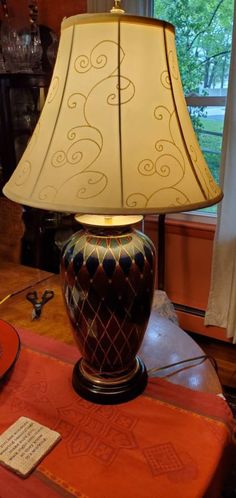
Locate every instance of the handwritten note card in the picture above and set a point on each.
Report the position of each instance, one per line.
(24, 444)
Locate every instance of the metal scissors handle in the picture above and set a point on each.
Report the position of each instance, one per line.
(37, 303)
(32, 297)
(47, 295)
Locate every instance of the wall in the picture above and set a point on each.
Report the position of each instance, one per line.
(51, 12)
(188, 254)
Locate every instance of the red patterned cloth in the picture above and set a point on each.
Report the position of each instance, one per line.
(168, 442)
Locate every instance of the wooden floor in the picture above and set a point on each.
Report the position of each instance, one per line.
(225, 356)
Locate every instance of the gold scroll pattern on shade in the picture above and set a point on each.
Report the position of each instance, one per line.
(169, 165)
(53, 89)
(209, 187)
(86, 140)
(114, 135)
(25, 171)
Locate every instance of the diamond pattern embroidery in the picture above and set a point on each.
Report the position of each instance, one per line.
(163, 459)
(98, 431)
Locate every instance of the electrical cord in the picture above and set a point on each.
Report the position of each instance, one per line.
(181, 362)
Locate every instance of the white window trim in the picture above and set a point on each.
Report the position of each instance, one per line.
(194, 217)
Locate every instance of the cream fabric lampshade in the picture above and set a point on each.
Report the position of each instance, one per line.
(114, 135)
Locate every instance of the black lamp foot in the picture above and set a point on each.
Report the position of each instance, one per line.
(110, 391)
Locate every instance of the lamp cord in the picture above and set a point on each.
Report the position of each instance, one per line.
(202, 357)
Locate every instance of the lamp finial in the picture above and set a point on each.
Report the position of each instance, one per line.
(116, 9)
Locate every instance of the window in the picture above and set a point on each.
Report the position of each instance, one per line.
(203, 39)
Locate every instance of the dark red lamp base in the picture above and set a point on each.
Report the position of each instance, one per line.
(108, 277)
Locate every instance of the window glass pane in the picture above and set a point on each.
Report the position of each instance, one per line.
(203, 39)
(209, 130)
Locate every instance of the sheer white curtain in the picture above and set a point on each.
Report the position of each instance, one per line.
(137, 7)
(221, 310)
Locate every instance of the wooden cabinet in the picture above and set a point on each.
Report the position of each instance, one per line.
(21, 99)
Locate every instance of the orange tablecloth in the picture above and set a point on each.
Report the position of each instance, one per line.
(168, 442)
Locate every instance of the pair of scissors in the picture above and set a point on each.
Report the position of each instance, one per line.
(38, 303)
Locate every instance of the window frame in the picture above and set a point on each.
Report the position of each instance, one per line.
(202, 101)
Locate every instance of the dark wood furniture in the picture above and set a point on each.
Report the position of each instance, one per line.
(11, 230)
(19, 111)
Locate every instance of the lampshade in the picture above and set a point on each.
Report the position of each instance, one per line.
(114, 135)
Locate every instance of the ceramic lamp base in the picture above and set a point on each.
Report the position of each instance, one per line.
(109, 391)
(108, 280)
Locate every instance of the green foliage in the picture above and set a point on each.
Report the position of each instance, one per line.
(203, 38)
(211, 144)
(196, 115)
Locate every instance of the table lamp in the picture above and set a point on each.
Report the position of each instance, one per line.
(114, 142)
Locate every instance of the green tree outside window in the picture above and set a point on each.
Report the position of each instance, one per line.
(203, 38)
